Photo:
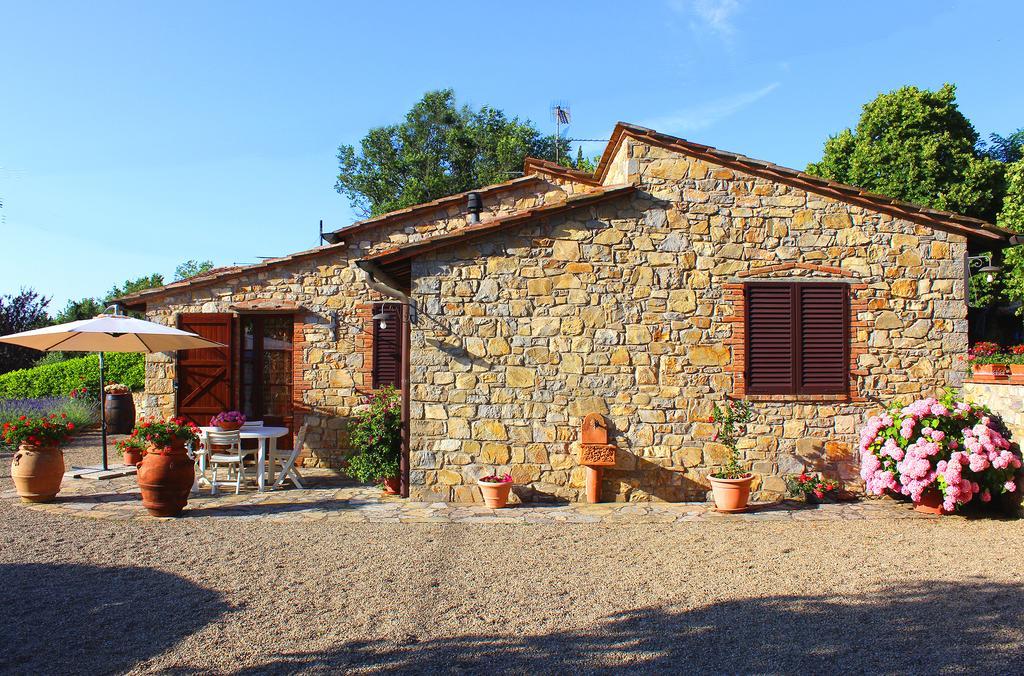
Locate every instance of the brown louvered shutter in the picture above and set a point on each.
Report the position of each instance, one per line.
(387, 346)
(823, 338)
(770, 339)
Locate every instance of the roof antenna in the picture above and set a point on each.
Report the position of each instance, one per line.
(562, 115)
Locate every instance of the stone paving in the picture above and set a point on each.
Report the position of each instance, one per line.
(330, 497)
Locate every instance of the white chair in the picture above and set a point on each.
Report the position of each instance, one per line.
(225, 449)
(285, 459)
(200, 455)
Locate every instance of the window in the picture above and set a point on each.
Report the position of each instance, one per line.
(797, 338)
(266, 361)
(387, 345)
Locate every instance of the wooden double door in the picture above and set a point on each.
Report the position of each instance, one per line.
(252, 374)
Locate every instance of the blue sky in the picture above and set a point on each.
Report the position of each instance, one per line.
(134, 136)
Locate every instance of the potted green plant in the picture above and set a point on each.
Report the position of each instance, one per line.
(730, 485)
(166, 473)
(989, 361)
(812, 487)
(495, 489)
(376, 440)
(38, 465)
(132, 448)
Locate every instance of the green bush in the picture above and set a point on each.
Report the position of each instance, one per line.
(58, 380)
(376, 435)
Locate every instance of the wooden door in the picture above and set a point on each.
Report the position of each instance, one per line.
(206, 377)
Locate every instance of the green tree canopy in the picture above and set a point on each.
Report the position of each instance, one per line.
(191, 268)
(22, 311)
(915, 145)
(440, 149)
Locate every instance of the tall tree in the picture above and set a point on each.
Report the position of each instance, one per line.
(191, 268)
(20, 312)
(440, 149)
(1011, 217)
(1007, 149)
(915, 145)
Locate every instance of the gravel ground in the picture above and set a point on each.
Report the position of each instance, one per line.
(227, 596)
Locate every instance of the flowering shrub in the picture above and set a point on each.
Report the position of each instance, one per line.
(51, 430)
(957, 448)
(79, 393)
(804, 484)
(732, 418)
(377, 438)
(163, 433)
(991, 353)
(496, 479)
(229, 417)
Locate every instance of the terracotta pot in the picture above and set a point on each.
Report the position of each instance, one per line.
(165, 478)
(229, 426)
(495, 495)
(37, 472)
(931, 502)
(132, 456)
(1017, 374)
(731, 495)
(392, 485)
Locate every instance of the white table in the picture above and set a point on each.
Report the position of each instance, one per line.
(267, 446)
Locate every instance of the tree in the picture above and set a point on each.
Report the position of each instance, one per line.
(191, 268)
(439, 150)
(1011, 217)
(915, 145)
(1008, 149)
(86, 308)
(134, 285)
(20, 312)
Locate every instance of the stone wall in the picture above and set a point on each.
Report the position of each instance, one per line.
(330, 365)
(630, 309)
(1005, 399)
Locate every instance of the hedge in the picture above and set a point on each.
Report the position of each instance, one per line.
(58, 380)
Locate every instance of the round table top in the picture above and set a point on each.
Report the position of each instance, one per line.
(255, 432)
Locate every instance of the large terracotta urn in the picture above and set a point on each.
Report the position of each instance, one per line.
(165, 478)
(37, 472)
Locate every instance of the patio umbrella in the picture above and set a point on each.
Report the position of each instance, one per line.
(114, 332)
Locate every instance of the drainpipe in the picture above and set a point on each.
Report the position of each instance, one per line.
(380, 282)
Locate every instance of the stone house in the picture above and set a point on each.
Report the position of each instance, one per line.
(676, 276)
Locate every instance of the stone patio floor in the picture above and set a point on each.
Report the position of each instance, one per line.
(329, 497)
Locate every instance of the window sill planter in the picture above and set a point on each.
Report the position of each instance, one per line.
(731, 495)
(495, 493)
(165, 476)
(37, 472)
(992, 370)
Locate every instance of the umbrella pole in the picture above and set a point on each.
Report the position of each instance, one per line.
(103, 415)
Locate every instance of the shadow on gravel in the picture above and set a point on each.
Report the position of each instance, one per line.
(921, 628)
(62, 618)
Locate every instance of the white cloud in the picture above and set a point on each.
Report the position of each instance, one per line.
(716, 15)
(706, 114)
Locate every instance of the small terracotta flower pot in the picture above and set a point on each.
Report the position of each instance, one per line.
(132, 456)
(731, 495)
(991, 370)
(229, 426)
(495, 494)
(931, 503)
(392, 485)
(37, 472)
(165, 478)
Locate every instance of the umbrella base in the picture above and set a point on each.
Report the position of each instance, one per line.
(98, 473)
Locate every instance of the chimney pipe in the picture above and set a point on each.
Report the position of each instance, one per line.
(474, 205)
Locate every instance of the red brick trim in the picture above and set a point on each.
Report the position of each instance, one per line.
(301, 372)
(733, 296)
(838, 272)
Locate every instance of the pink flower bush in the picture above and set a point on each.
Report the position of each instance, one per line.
(957, 448)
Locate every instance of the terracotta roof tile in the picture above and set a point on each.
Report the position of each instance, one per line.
(537, 165)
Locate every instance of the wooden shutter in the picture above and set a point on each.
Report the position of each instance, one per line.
(206, 376)
(823, 338)
(770, 339)
(797, 338)
(387, 346)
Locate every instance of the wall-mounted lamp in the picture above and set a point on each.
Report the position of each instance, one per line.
(382, 317)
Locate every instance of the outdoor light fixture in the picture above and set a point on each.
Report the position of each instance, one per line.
(383, 318)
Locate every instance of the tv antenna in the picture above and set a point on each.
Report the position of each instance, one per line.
(561, 114)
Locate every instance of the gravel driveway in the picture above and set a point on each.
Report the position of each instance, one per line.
(249, 596)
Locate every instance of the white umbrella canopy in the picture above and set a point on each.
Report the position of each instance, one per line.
(109, 333)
